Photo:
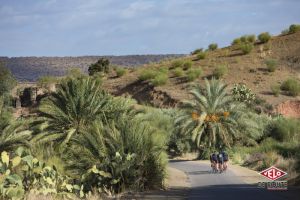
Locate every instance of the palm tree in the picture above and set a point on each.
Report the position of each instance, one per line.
(212, 117)
(127, 149)
(76, 104)
(12, 134)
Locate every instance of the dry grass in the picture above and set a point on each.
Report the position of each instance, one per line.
(90, 196)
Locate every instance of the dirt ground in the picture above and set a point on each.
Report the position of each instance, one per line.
(176, 179)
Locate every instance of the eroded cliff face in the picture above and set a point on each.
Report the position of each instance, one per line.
(289, 109)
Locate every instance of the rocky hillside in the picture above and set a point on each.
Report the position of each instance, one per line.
(250, 69)
(30, 68)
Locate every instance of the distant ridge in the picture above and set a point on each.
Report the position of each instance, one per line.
(31, 68)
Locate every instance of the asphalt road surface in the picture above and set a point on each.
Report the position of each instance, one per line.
(205, 185)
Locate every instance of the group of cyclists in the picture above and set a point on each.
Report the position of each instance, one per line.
(219, 161)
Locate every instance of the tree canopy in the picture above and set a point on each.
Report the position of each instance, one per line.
(7, 81)
(102, 65)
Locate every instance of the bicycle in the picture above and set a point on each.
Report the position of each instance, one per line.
(214, 166)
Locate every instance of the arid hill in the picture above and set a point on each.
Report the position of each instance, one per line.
(31, 68)
(250, 69)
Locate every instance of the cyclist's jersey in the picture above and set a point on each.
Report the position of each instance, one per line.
(213, 157)
(220, 158)
(225, 156)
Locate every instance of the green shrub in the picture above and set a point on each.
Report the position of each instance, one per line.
(177, 63)
(284, 129)
(160, 79)
(7, 80)
(270, 159)
(213, 46)
(75, 73)
(275, 90)
(251, 38)
(178, 72)
(201, 56)
(292, 86)
(243, 38)
(294, 28)
(236, 41)
(121, 71)
(241, 93)
(246, 47)
(271, 65)
(147, 74)
(164, 70)
(196, 51)
(264, 37)
(101, 66)
(187, 64)
(220, 71)
(285, 31)
(45, 81)
(5, 119)
(193, 74)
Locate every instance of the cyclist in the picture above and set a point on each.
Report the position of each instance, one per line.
(214, 162)
(225, 158)
(220, 162)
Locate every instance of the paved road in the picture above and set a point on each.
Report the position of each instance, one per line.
(226, 186)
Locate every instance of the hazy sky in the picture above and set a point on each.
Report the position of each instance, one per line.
(122, 27)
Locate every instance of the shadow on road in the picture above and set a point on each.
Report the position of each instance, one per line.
(171, 194)
(241, 191)
(216, 192)
(175, 161)
(199, 172)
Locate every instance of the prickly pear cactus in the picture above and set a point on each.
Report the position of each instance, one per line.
(21, 172)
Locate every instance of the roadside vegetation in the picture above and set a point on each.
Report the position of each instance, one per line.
(278, 145)
(84, 140)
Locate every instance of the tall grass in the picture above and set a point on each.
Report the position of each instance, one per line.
(160, 79)
(200, 55)
(177, 63)
(220, 71)
(275, 90)
(271, 65)
(121, 71)
(292, 86)
(246, 48)
(193, 74)
(286, 129)
(264, 37)
(178, 72)
(187, 64)
(147, 74)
